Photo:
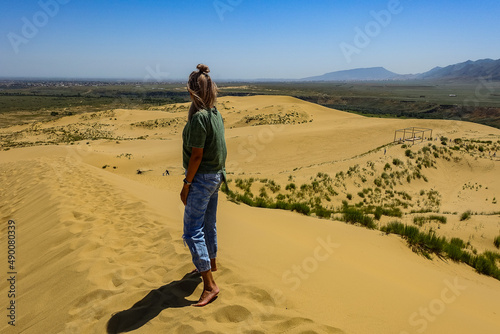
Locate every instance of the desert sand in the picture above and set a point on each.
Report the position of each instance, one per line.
(94, 237)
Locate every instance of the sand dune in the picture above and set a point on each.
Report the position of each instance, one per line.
(96, 239)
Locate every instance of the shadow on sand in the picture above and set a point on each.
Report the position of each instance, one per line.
(171, 295)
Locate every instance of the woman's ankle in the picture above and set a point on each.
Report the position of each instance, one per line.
(213, 264)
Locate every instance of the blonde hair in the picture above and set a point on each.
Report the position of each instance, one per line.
(202, 90)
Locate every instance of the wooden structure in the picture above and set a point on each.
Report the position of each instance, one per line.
(412, 134)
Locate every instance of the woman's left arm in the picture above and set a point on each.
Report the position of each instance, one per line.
(194, 164)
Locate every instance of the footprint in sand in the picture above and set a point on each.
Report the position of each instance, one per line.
(233, 313)
(77, 214)
(92, 297)
(76, 227)
(185, 329)
(301, 325)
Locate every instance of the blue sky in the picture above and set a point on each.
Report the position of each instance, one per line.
(240, 39)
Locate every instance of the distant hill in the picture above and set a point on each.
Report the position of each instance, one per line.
(358, 74)
(484, 68)
(466, 71)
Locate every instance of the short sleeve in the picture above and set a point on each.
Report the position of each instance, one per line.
(197, 131)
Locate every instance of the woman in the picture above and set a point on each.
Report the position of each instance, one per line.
(204, 158)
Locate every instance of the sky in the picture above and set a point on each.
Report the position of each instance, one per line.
(240, 39)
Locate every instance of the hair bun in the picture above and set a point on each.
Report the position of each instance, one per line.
(203, 68)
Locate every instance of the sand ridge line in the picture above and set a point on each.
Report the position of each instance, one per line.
(40, 251)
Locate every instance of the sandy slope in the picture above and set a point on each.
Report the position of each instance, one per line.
(94, 241)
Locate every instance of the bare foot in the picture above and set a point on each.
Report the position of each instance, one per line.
(207, 296)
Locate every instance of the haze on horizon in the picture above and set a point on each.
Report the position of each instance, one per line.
(240, 39)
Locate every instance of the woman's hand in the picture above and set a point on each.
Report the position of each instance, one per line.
(184, 193)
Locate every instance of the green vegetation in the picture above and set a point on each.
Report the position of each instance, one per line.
(427, 243)
(486, 264)
(496, 242)
(378, 212)
(420, 220)
(397, 162)
(320, 192)
(353, 216)
(424, 243)
(264, 201)
(409, 154)
(466, 215)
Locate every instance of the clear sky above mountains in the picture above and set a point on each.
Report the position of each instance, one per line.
(240, 39)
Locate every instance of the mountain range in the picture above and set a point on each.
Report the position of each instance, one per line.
(466, 71)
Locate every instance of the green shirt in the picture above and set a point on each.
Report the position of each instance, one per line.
(205, 130)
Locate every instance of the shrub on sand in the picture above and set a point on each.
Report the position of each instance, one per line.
(454, 252)
(485, 265)
(496, 242)
(441, 219)
(426, 243)
(420, 220)
(301, 208)
(409, 154)
(458, 242)
(466, 215)
(353, 216)
(322, 212)
(397, 162)
(420, 242)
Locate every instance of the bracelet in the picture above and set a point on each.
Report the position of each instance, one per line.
(186, 182)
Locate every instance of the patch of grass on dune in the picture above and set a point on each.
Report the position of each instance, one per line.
(322, 212)
(301, 208)
(420, 220)
(486, 264)
(420, 242)
(352, 215)
(263, 201)
(466, 215)
(496, 242)
(427, 243)
(379, 211)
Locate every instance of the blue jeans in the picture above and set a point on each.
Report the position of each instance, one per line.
(200, 232)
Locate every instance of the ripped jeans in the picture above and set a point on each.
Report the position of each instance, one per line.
(200, 231)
